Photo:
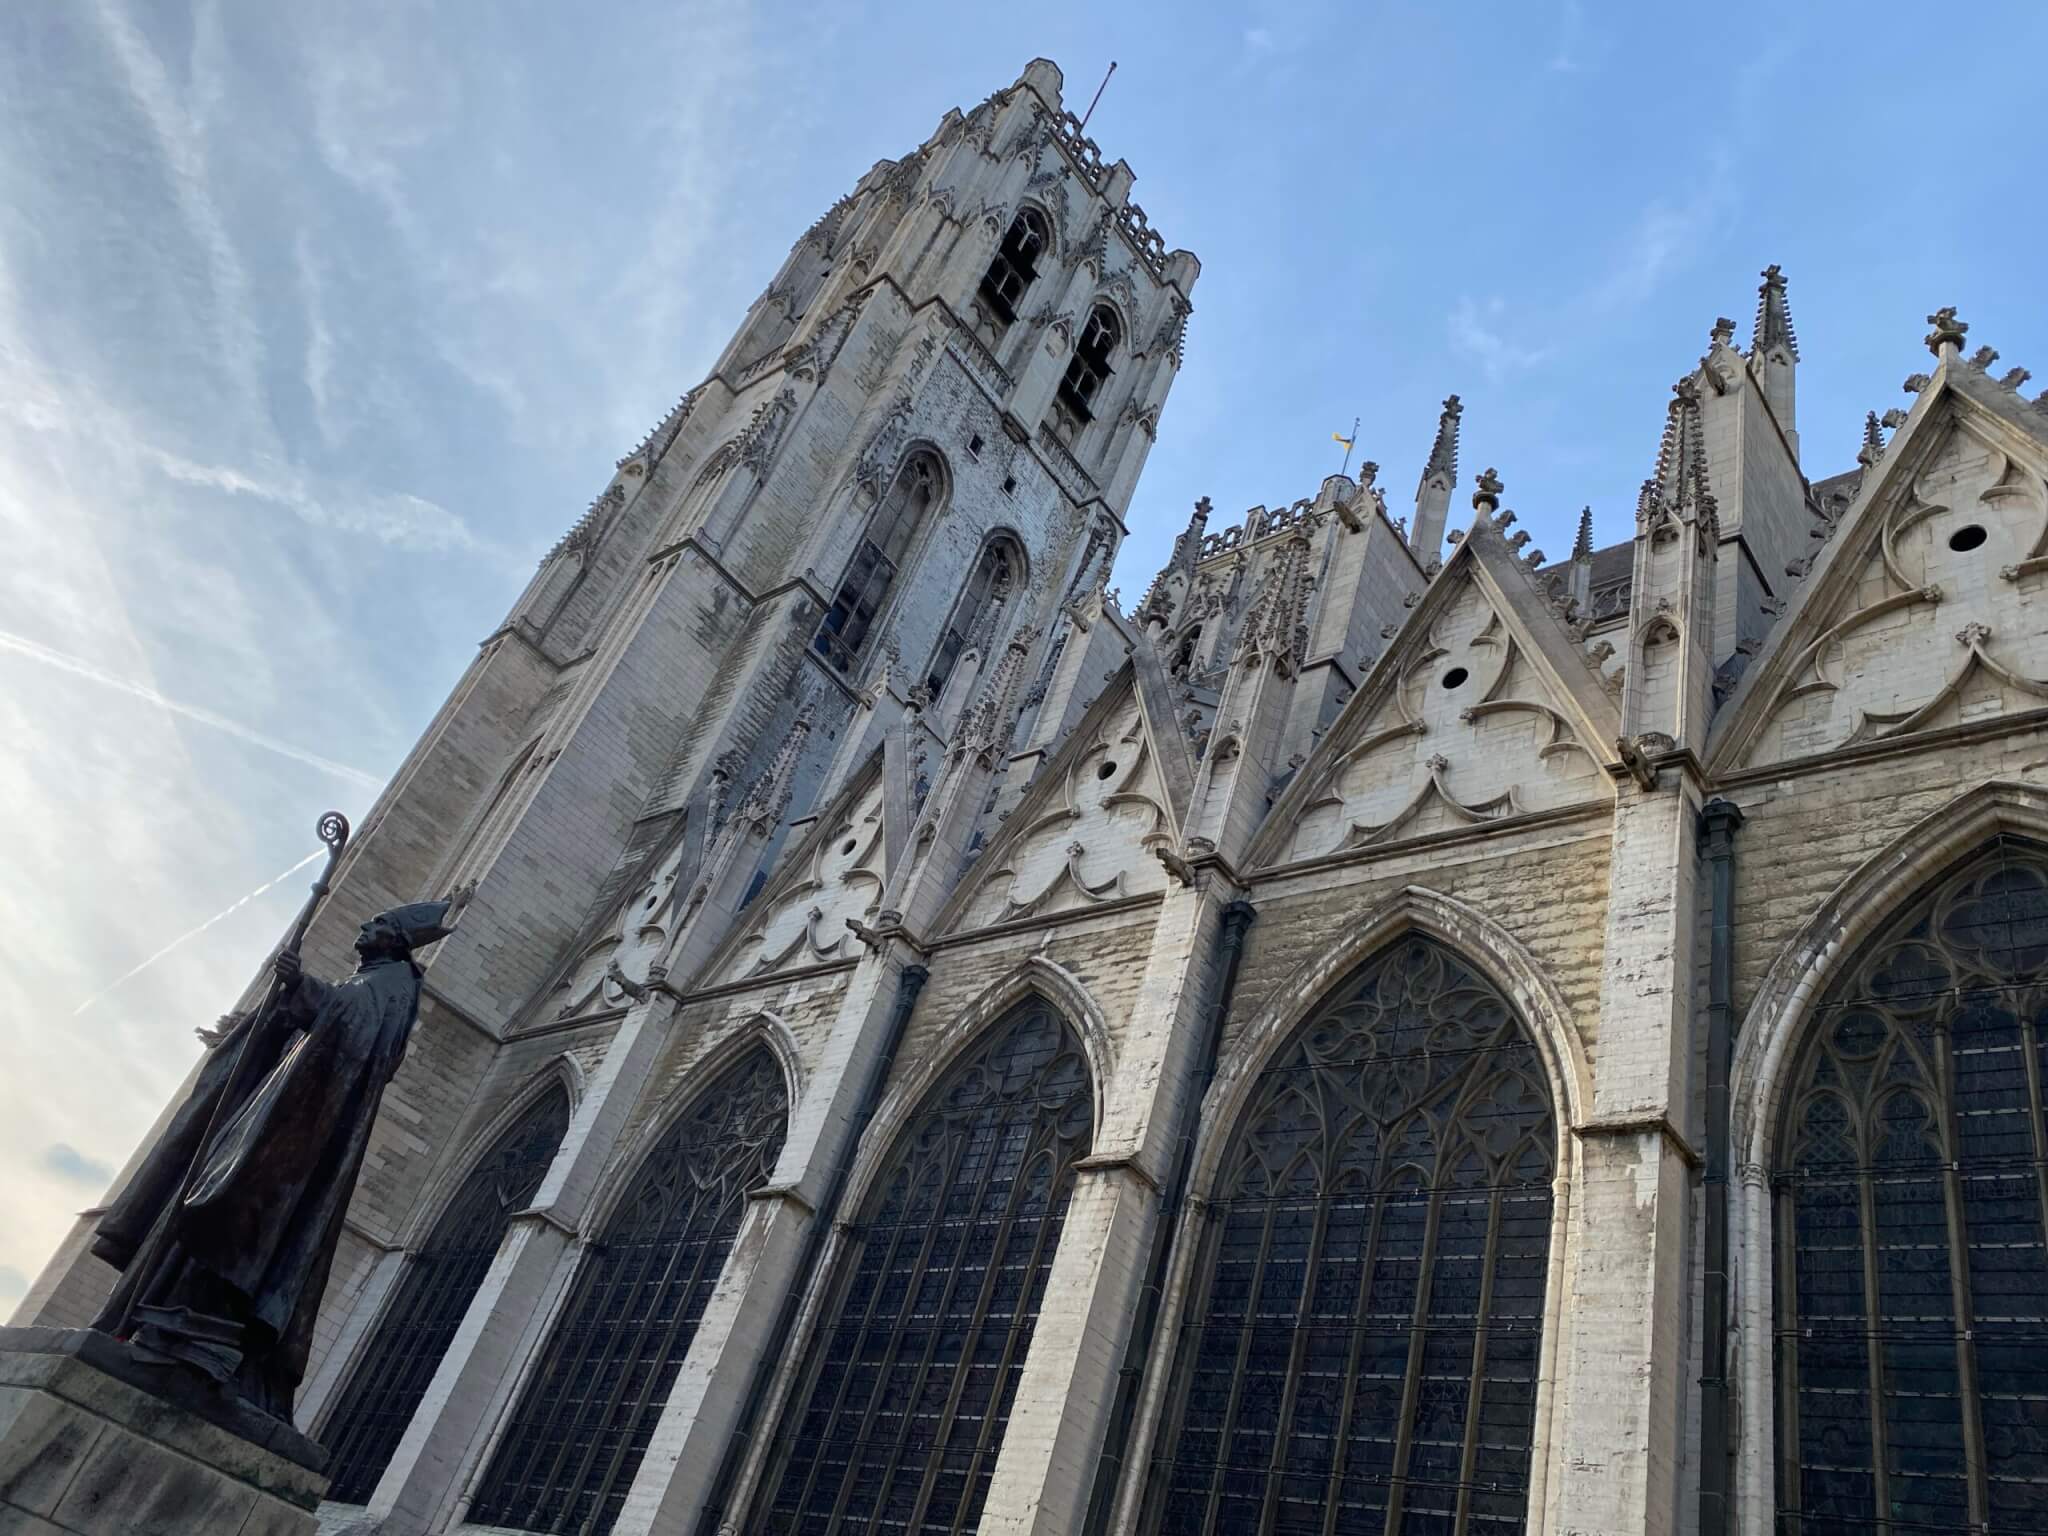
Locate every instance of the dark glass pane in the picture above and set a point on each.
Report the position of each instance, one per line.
(584, 1421)
(1370, 1297)
(1912, 1119)
(432, 1295)
(900, 1411)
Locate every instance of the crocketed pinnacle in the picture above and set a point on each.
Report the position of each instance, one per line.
(985, 734)
(1582, 546)
(1773, 316)
(1681, 479)
(1873, 441)
(1187, 553)
(1443, 453)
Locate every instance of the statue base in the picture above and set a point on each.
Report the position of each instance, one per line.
(94, 1442)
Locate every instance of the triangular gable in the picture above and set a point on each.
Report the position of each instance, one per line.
(834, 872)
(616, 952)
(1925, 607)
(1482, 707)
(1085, 832)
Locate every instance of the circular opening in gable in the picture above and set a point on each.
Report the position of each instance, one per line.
(848, 846)
(1107, 770)
(1455, 677)
(1967, 538)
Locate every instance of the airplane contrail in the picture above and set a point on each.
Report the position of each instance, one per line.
(192, 933)
(77, 666)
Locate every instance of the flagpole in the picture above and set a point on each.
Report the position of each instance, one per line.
(1349, 444)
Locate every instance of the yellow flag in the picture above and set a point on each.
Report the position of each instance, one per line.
(1339, 437)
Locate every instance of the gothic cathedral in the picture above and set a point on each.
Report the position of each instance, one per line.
(1388, 1036)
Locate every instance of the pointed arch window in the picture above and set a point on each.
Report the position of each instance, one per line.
(433, 1294)
(1015, 265)
(899, 1414)
(1360, 1345)
(864, 589)
(996, 576)
(585, 1419)
(1088, 369)
(1910, 1191)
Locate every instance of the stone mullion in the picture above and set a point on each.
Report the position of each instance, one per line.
(1968, 1404)
(979, 1317)
(616, 1341)
(924, 1255)
(1873, 1331)
(1202, 1281)
(631, 1416)
(1291, 1392)
(1244, 1344)
(981, 1445)
(1787, 1322)
(1475, 1398)
(1359, 1308)
(2030, 1044)
(1418, 1338)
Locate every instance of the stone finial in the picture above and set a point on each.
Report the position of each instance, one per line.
(1873, 441)
(1946, 337)
(1723, 333)
(1582, 546)
(1983, 358)
(1773, 316)
(1367, 473)
(1486, 490)
(2015, 377)
(1680, 483)
(1156, 605)
(1443, 453)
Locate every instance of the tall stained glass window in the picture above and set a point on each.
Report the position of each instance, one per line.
(899, 1414)
(1910, 1188)
(433, 1294)
(1358, 1351)
(567, 1459)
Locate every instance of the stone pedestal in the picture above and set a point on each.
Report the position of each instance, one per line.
(94, 1444)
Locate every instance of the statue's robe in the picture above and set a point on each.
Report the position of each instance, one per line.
(235, 1283)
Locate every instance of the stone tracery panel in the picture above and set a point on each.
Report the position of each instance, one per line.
(1944, 623)
(1087, 841)
(842, 878)
(1468, 733)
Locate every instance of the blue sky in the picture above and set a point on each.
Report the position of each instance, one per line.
(319, 324)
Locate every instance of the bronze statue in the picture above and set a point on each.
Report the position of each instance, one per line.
(226, 1233)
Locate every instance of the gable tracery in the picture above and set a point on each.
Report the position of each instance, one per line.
(1467, 731)
(1939, 622)
(842, 876)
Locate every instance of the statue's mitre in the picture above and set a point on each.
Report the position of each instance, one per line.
(421, 922)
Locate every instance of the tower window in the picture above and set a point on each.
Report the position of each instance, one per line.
(1088, 370)
(864, 589)
(977, 612)
(1015, 267)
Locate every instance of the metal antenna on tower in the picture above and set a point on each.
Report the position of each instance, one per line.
(1098, 94)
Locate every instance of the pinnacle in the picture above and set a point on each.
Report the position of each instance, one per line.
(1582, 546)
(1773, 315)
(1873, 441)
(1443, 453)
(1681, 456)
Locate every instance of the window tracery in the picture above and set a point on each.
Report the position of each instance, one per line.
(994, 579)
(1910, 1191)
(864, 589)
(1360, 1346)
(1088, 369)
(390, 1382)
(584, 1421)
(1014, 267)
(899, 1414)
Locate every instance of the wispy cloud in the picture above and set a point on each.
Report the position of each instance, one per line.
(192, 933)
(78, 666)
(1479, 330)
(73, 1166)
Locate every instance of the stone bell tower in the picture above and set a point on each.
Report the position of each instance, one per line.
(912, 460)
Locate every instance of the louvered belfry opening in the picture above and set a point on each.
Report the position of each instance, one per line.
(1359, 1347)
(1910, 1192)
(433, 1294)
(897, 1419)
(567, 1459)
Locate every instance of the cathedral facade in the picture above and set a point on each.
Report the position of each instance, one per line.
(1389, 1035)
